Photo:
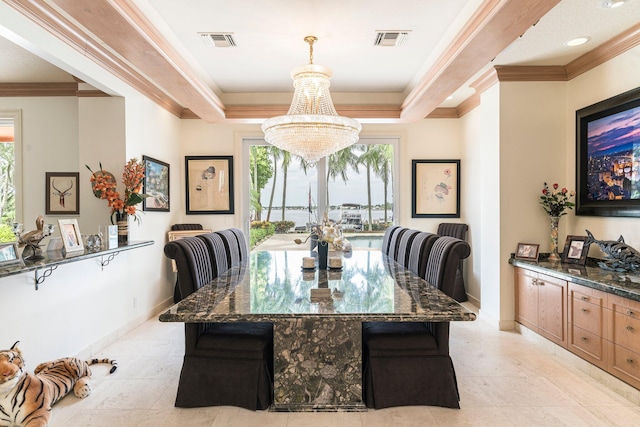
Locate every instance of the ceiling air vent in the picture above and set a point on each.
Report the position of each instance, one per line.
(390, 38)
(218, 39)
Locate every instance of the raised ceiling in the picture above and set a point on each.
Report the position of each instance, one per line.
(450, 44)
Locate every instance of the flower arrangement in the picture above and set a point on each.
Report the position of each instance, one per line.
(328, 232)
(104, 187)
(556, 201)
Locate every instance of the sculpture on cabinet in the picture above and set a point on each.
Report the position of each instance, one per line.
(622, 257)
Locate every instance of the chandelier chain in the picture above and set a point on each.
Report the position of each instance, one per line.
(310, 40)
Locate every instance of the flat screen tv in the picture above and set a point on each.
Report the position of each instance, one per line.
(608, 157)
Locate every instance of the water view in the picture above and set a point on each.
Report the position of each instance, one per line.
(302, 217)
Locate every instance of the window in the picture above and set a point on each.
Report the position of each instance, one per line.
(9, 172)
(357, 187)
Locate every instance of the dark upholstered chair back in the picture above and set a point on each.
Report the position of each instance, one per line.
(442, 264)
(394, 242)
(193, 262)
(458, 231)
(419, 252)
(404, 246)
(242, 243)
(389, 232)
(220, 259)
(177, 227)
(236, 244)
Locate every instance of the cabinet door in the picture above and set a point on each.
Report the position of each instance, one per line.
(526, 298)
(552, 309)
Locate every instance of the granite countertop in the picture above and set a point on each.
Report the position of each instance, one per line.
(54, 258)
(623, 284)
(272, 285)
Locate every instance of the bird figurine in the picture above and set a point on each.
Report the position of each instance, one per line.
(33, 237)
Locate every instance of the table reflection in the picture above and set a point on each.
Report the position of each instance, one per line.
(280, 285)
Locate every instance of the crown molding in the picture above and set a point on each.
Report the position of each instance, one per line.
(496, 24)
(619, 44)
(38, 89)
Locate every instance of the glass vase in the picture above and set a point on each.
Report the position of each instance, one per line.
(122, 220)
(553, 255)
(323, 253)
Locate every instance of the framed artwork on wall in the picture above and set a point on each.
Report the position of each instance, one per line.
(575, 250)
(156, 185)
(209, 181)
(608, 157)
(435, 189)
(62, 190)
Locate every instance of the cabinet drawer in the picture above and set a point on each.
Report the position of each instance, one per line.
(587, 316)
(626, 330)
(586, 294)
(625, 364)
(589, 346)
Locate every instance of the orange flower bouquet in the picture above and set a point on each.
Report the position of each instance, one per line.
(104, 186)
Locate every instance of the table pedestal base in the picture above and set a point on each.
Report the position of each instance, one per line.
(318, 365)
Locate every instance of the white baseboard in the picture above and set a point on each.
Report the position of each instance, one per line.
(90, 351)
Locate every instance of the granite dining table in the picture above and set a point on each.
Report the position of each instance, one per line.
(317, 317)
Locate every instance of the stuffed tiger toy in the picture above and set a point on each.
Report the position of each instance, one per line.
(26, 399)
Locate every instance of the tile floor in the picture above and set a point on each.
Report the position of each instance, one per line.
(505, 379)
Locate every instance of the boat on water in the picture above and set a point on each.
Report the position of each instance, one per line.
(351, 217)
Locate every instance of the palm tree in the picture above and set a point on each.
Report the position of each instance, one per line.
(286, 160)
(370, 158)
(275, 154)
(338, 164)
(384, 170)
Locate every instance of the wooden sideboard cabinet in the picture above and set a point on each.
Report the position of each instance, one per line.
(588, 316)
(624, 333)
(593, 313)
(541, 304)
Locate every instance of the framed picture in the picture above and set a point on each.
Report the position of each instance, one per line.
(435, 189)
(156, 185)
(62, 190)
(527, 251)
(71, 237)
(9, 254)
(181, 234)
(607, 157)
(209, 182)
(575, 250)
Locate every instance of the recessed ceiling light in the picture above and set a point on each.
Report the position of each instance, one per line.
(449, 98)
(578, 41)
(612, 4)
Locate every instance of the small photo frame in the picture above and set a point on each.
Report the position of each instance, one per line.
(575, 250)
(9, 254)
(527, 251)
(209, 182)
(62, 193)
(71, 237)
(181, 234)
(156, 185)
(435, 189)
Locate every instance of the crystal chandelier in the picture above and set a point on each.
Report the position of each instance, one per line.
(312, 128)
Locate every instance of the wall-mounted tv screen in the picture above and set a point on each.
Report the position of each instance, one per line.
(608, 157)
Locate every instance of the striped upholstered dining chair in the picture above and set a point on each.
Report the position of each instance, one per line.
(224, 363)
(408, 363)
